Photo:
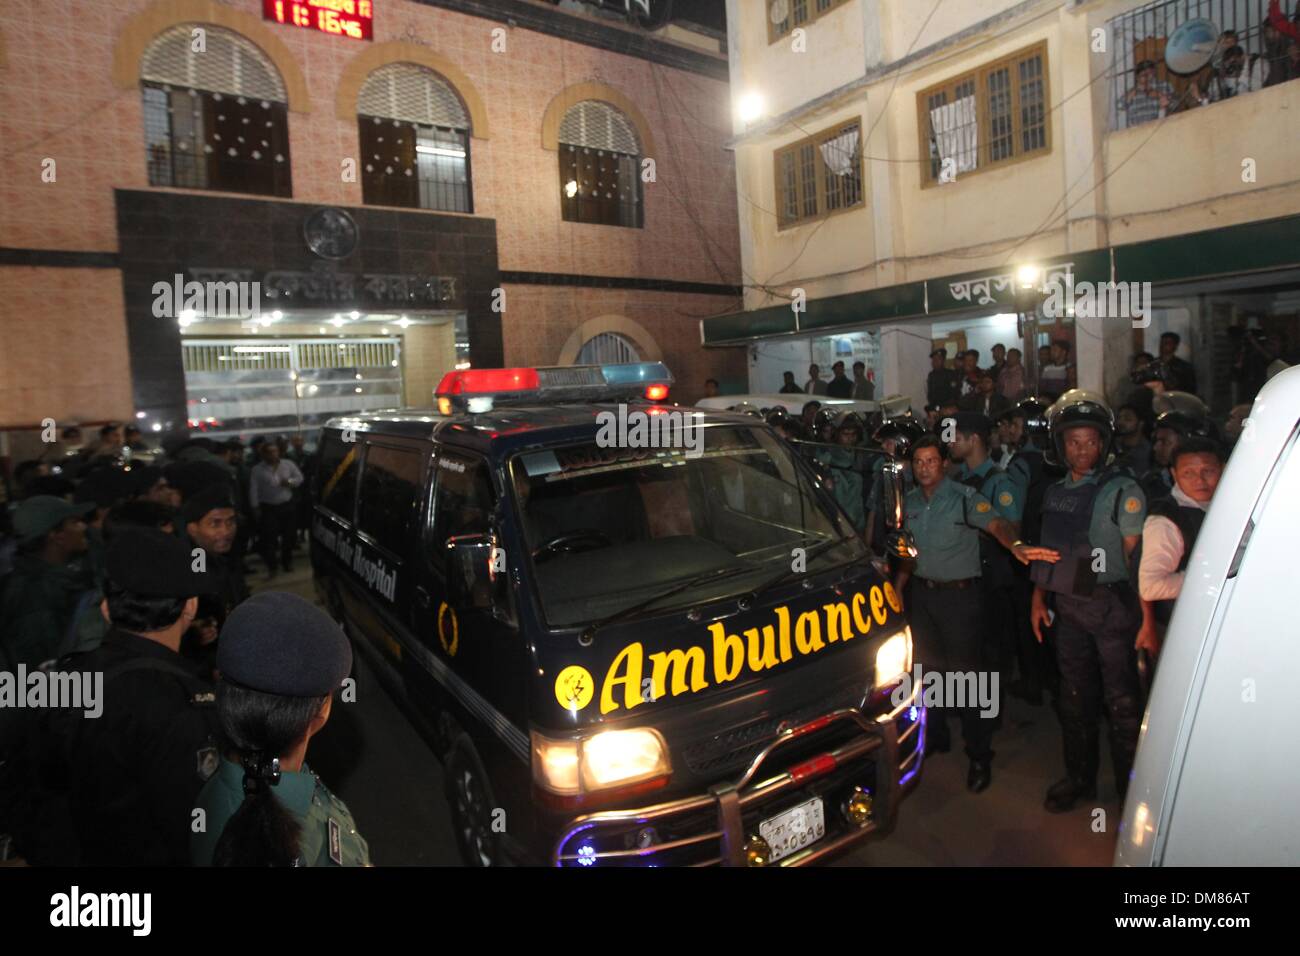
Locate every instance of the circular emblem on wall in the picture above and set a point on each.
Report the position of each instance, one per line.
(448, 629)
(330, 233)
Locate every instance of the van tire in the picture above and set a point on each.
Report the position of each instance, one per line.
(473, 807)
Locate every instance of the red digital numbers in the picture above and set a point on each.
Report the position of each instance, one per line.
(346, 18)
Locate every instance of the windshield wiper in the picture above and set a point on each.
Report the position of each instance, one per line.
(814, 552)
(713, 574)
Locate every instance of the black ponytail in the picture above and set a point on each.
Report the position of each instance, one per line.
(257, 727)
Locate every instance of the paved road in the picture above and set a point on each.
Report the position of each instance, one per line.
(371, 757)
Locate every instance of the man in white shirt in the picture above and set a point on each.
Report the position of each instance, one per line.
(1170, 532)
(815, 384)
(271, 486)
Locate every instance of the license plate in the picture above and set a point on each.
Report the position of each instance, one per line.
(795, 829)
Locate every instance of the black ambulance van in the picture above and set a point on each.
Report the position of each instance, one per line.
(625, 653)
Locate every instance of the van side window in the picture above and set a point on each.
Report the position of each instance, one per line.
(463, 501)
(389, 482)
(337, 475)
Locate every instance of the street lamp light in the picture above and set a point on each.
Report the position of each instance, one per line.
(750, 107)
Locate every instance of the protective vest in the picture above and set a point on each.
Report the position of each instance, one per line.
(1188, 521)
(1067, 522)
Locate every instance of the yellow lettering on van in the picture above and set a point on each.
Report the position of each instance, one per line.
(761, 658)
(629, 658)
(892, 597)
(837, 622)
(783, 630)
(679, 662)
(861, 620)
(808, 621)
(878, 606)
(728, 650)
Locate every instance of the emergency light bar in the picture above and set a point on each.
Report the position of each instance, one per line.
(480, 389)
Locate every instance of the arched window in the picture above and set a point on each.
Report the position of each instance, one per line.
(607, 348)
(215, 113)
(414, 140)
(600, 162)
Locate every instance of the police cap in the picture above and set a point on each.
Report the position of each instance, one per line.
(279, 643)
(151, 563)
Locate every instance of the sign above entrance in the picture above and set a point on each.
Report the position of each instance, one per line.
(996, 288)
(345, 18)
(325, 287)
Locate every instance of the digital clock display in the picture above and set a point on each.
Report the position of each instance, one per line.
(345, 18)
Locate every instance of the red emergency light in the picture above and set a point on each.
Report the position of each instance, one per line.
(478, 389)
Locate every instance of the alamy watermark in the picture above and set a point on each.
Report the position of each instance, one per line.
(191, 300)
(72, 690)
(950, 689)
(1098, 300)
(651, 428)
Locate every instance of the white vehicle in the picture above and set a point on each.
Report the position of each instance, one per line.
(1217, 773)
(792, 403)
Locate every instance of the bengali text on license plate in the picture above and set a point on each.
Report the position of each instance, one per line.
(795, 829)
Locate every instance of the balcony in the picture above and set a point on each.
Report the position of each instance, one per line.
(1250, 53)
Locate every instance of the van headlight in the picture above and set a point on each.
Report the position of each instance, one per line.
(893, 659)
(607, 760)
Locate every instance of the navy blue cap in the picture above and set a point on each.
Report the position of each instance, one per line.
(279, 643)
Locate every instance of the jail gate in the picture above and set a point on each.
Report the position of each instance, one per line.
(251, 386)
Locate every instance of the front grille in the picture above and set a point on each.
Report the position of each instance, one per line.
(736, 748)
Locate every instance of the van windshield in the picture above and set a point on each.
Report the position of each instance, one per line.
(608, 529)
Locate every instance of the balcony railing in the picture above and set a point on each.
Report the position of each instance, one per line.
(1248, 56)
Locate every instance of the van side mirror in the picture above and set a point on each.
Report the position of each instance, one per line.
(470, 581)
(898, 540)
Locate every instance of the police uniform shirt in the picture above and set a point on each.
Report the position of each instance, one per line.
(136, 770)
(328, 837)
(1119, 511)
(1001, 489)
(946, 529)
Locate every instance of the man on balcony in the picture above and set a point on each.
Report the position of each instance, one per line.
(1149, 98)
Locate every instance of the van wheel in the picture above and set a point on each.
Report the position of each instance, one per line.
(469, 794)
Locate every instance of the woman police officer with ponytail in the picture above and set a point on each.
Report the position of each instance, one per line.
(280, 660)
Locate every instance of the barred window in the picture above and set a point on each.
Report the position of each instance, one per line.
(215, 117)
(995, 115)
(600, 163)
(415, 134)
(820, 175)
(783, 16)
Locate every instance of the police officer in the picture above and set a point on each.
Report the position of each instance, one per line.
(51, 589)
(1093, 517)
(944, 600)
(281, 658)
(969, 448)
(133, 773)
(1032, 473)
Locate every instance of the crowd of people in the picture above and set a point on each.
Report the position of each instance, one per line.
(1052, 537)
(1230, 72)
(131, 564)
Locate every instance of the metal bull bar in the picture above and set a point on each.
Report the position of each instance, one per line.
(729, 800)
